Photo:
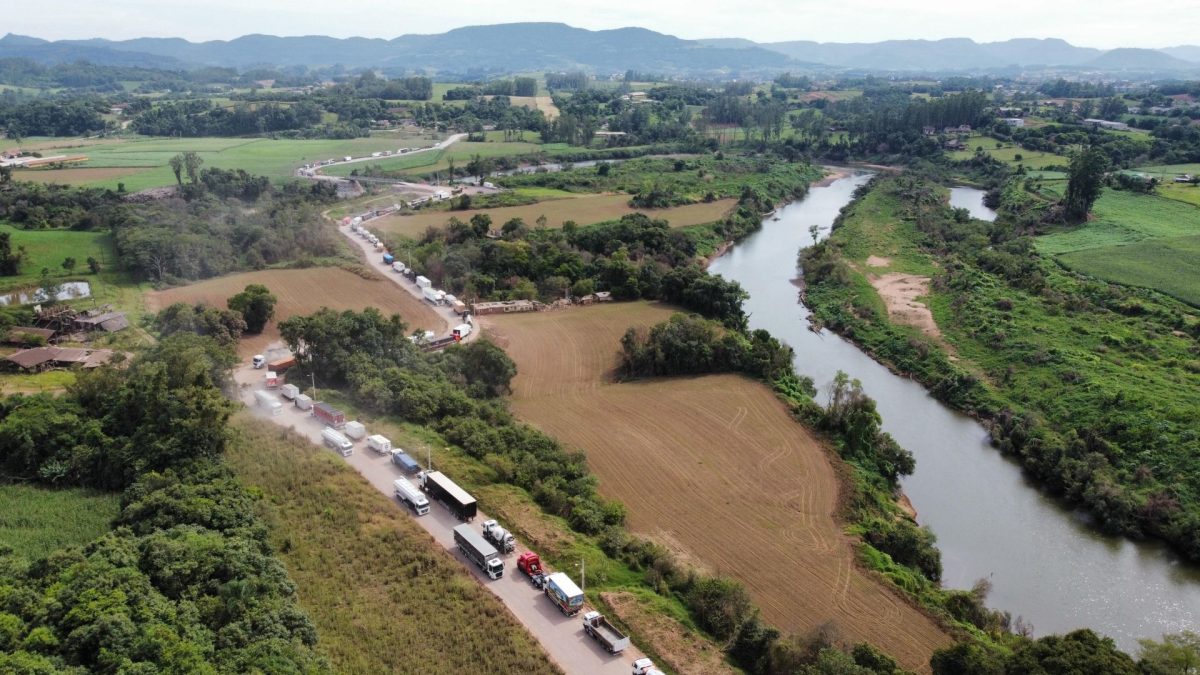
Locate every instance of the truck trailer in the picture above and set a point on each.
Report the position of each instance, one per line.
(423, 282)
(564, 593)
(330, 415)
(335, 441)
(289, 391)
(407, 464)
(304, 402)
(409, 494)
(441, 488)
(605, 633)
(476, 548)
(268, 402)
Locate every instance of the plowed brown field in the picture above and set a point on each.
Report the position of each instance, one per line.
(304, 291)
(713, 464)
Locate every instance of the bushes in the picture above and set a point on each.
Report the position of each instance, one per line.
(687, 345)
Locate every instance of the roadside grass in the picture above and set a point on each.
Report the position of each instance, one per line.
(383, 596)
(36, 521)
(1031, 159)
(1171, 266)
(1122, 217)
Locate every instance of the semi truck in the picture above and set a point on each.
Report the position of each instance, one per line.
(330, 415)
(529, 563)
(479, 551)
(407, 464)
(379, 444)
(268, 402)
(409, 494)
(605, 633)
(461, 331)
(564, 593)
(499, 536)
(334, 440)
(441, 488)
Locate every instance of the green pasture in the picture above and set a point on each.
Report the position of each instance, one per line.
(1170, 265)
(1008, 154)
(48, 248)
(1121, 217)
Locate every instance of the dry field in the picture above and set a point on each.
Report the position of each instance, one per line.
(714, 465)
(77, 176)
(304, 291)
(585, 210)
(543, 103)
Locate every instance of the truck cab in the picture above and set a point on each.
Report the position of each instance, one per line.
(495, 568)
(258, 361)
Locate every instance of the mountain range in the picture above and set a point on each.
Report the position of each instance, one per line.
(555, 46)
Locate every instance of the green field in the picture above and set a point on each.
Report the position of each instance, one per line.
(1008, 154)
(1123, 218)
(1168, 265)
(263, 156)
(48, 248)
(36, 521)
(439, 160)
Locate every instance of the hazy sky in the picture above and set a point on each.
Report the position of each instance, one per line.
(1091, 23)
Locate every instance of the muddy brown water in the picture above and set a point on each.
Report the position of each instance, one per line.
(1045, 563)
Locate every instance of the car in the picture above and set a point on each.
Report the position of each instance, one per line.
(258, 361)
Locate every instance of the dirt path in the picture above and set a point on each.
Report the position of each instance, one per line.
(899, 292)
(715, 462)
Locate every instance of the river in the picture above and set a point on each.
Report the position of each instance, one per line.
(1043, 561)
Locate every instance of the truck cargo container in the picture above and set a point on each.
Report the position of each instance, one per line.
(281, 365)
(423, 282)
(479, 551)
(605, 633)
(271, 380)
(388, 258)
(409, 494)
(335, 441)
(379, 444)
(289, 391)
(441, 488)
(459, 307)
(564, 593)
(304, 402)
(355, 431)
(461, 331)
(406, 463)
(500, 537)
(330, 415)
(268, 402)
(398, 267)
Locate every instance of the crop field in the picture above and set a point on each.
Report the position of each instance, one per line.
(583, 209)
(145, 159)
(77, 176)
(1031, 159)
(37, 520)
(1168, 265)
(1123, 218)
(543, 103)
(304, 291)
(383, 596)
(714, 464)
(48, 248)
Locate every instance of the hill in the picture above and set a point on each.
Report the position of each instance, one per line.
(1128, 59)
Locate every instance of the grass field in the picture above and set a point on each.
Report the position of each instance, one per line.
(583, 209)
(383, 596)
(148, 157)
(1123, 218)
(48, 248)
(36, 521)
(1168, 265)
(1186, 193)
(304, 291)
(685, 455)
(1008, 154)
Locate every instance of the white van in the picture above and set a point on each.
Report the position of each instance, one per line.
(335, 441)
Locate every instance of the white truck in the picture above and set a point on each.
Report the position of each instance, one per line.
(605, 633)
(461, 331)
(335, 441)
(379, 444)
(500, 537)
(423, 282)
(268, 402)
(409, 494)
(399, 267)
(645, 666)
(304, 402)
(355, 431)
(432, 295)
(289, 391)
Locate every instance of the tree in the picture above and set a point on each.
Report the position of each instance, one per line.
(1083, 187)
(93, 264)
(256, 305)
(191, 163)
(177, 168)
(1177, 654)
(10, 261)
(68, 264)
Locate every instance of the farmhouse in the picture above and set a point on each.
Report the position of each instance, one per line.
(42, 358)
(109, 322)
(1105, 124)
(23, 335)
(1014, 121)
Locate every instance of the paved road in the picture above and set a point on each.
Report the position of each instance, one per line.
(562, 637)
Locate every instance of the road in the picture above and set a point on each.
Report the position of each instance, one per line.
(317, 175)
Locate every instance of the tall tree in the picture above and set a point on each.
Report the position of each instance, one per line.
(191, 163)
(256, 305)
(1083, 188)
(177, 168)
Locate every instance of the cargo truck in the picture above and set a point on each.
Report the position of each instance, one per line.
(330, 415)
(398, 267)
(605, 633)
(268, 402)
(304, 402)
(379, 444)
(529, 563)
(461, 331)
(409, 494)
(388, 258)
(459, 307)
(564, 593)
(355, 431)
(272, 380)
(335, 441)
(423, 282)
(645, 666)
(433, 295)
(280, 365)
(441, 488)
(479, 551)
(499, 536)
(407, 464)
(289, 391)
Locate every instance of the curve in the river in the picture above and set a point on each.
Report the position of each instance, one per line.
(1043, 561)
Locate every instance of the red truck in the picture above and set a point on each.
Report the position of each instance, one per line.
(281, 365)
(529, 563)
(330, 415)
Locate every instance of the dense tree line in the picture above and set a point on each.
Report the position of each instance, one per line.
(572, 81)
(51, 117)
(187, 581)
(37, 206)
(203, 118)
(689, 345)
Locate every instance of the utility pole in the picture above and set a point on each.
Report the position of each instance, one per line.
(583, 575)
(314, 386)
